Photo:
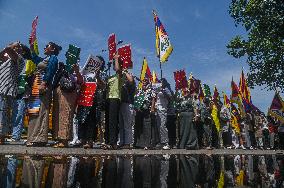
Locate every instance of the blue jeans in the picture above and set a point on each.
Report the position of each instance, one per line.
(10, 179)
(19, 109)
(5, 118)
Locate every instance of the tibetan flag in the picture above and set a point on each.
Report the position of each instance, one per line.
(124, 53)
(163, 45)
(237, 98)
(111, 46)
(277, 108)
(216, 96)
(245, 93)
(145, 72)
(227, 102)
(244, 89)
(207, 90)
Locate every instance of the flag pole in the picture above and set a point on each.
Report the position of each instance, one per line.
(161, 70)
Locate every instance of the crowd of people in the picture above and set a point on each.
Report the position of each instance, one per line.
(123, 114)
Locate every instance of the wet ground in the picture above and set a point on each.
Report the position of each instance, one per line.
(142, 171)
(16, 149)
(22, 166)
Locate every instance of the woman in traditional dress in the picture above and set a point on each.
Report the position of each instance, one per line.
(38, 129)
(144, 104)
(11, 59)
(187, 130)
(64, 104)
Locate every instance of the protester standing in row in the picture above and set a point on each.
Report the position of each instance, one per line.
(11, 62)
(38, 132)
(126, 111)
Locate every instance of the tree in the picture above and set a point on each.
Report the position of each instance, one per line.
(263, 44)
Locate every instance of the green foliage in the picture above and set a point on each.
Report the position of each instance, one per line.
(263, 45)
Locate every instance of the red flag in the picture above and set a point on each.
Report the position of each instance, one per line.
(180, 79)
(194, 87)
(32, 37)
(111, 46)
(124, 53)
(216, 96)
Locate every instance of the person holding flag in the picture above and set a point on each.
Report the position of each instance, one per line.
(38, 129)
(144, 105)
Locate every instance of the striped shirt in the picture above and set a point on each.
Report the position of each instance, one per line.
(9, 74)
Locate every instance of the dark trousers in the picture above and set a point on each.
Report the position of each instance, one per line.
(252, 138)
(171, 125)
(112, 118)
(88, 130)
(281, 140)
(227, 138)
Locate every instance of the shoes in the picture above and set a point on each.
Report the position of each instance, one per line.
(158, 146)
(127, 146)
(251, 148)
(229, 147)
(166, 147)
(75, 143)
(88, 146)
(243, 147)
(59, 145)
(36, 144)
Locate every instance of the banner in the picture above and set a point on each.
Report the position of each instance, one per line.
(124, 53)
(92, 64)
(86, 94)
(111, 46)
(32, 37)
(72, 55)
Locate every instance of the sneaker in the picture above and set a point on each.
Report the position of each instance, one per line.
(75, 143)
(166, 147)
(229, 147)
(243, 147)
(251, 148)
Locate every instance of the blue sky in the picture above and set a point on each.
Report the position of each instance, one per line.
(199, 31)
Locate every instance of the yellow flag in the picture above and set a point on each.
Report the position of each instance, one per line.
(215, 117)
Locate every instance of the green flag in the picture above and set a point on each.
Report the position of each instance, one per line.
(207, 90)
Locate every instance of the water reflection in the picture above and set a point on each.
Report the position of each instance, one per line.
(183, 171)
